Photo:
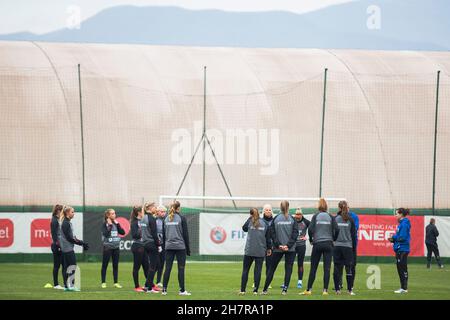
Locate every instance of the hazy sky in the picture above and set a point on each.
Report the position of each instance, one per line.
(41, 16)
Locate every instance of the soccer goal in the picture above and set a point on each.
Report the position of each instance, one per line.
(215, 222)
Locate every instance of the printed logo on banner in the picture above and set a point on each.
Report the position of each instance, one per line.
(218, 235)
(375, 230)
(125, 224)
(6, 233)
(40, 235)
(238, 235)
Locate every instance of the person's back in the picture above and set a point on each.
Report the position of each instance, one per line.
(343, 250)
(284, 226)
(148, 229)
(284, 233)
(256, 243)
(322, 231)
(345, 238)
(174, 233)
(176, 237)
(431, 234)
(322, 228)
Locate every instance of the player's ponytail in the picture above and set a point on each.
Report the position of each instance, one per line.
(323, 206)
(57, 209)
(135, 213)
(65, 210)
(173, 208)
(62, 215)
(343, 210)
(255, 217)
(284, 206)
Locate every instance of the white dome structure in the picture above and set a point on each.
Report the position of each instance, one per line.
(143, 113)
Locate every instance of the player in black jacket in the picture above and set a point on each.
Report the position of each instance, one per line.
(431, 234)
(111, 230)
(152, 246)
(67, 241)
(300, 245)
(322, 231)
(140, 257)
(56, 248)
(284, 232)
(160, 216)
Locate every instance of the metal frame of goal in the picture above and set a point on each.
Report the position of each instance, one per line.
(236, 198)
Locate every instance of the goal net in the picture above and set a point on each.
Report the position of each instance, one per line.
(215, 222)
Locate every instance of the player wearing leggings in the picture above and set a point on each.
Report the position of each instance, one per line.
(257, 246)
(152, 246)
(431, 234)
(140, 257)
(322, 231)
(176, 238)
(111, 230)
(401, 244)
(300, 244)
(56, 247)
(67, 241)
(268, 218)
(160, 216)
(284, 232)
(344, 247)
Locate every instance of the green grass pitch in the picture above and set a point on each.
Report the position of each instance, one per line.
(215, 281)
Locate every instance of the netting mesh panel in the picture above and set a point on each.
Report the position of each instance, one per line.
(139, 140)
(379, 139)
(403, 107)
(267, 143)
(40, 160)
(353, 165)
(128, 140)
(443, 145)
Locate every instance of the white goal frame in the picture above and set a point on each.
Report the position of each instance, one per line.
(235, 198)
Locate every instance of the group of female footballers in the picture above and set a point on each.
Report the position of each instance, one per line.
(159, 238)
(274, 237)
(333, 238)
